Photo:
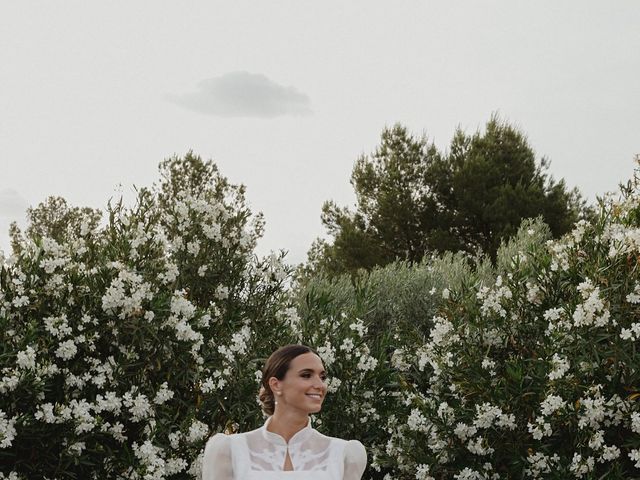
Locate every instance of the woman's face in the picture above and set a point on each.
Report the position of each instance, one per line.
(303, 386)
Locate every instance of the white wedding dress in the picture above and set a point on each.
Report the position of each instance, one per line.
(260, 455)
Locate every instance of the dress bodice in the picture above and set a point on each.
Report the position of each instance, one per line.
(260, 454)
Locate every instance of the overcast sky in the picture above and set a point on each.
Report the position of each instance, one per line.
(285, 95)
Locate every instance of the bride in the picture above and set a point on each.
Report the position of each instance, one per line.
(286, 446)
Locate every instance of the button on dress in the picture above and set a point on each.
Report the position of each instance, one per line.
(260, 454)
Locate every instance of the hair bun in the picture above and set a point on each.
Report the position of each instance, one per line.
(267, 401)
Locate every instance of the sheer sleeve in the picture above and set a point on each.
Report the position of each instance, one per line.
(355, 460)
(216, 463)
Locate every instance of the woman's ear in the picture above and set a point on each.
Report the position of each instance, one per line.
(274, 384)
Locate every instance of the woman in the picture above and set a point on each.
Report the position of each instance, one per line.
(286, 446)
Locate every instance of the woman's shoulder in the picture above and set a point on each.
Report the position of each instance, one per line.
(218, 442)
(355, 460)
(355, 450)
(225, 440)
(217, 460)
(351, 447)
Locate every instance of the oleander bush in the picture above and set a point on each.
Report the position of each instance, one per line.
(535, 373)
(125, 344)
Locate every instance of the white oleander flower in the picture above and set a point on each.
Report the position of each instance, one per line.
(359, 327)
(163, 394)
(552, 404)
(67, 350)
(468, 474)
(422, 472)
(367, 363)
(7, 430)
(479, 446)
(560, 367)
(327, 353)
(26, 359)
(464, 431)
(580, 467)
(333, 384)
(76, 448)
(140, 408)
(174, 439)
(197, 431)
(539, 429)
(175, 465)
(417, 421)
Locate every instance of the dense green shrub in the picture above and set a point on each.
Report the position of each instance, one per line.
(401, 297)
(392, 308)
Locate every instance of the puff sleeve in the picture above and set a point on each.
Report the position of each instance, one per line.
(355, 460)
(216, 462)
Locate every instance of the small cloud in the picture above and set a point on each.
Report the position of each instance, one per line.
(12, 204)
(244, 94)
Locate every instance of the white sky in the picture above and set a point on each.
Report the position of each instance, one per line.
(285, 95)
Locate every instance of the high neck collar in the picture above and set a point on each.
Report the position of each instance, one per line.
(276, 439)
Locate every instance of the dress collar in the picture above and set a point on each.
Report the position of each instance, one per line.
(276, 439)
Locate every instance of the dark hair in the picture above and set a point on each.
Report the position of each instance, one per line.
(277, 366)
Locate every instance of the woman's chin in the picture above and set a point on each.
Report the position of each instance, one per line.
(315, 409)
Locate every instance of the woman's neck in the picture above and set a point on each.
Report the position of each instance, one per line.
(287, 424)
